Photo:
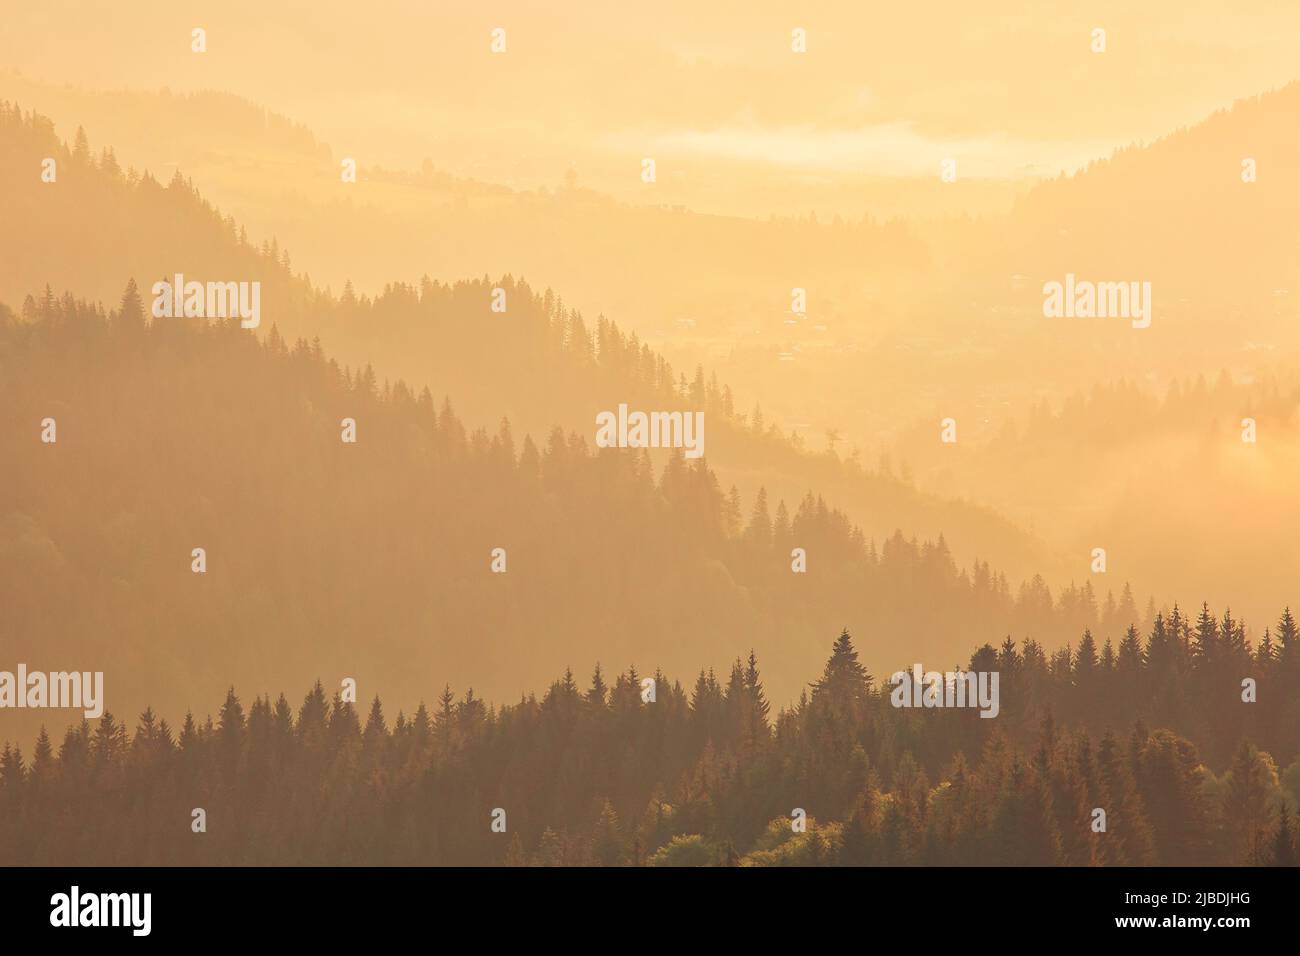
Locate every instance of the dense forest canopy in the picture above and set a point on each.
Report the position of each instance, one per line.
(706, 773)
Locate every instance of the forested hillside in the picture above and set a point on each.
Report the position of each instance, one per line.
(541, 363)
(373, 559)
(678, 437)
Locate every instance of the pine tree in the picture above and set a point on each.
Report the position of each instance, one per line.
(758, 705)
(231, 724)
(1283, 840)
(515, 853)
(1169, 780)
(1205, 643)
(1246, 804)
(1126, 816)
(42, 768)
(843, 679)
(1288, 643)
(81, 148)
(1265, 654)
(445, 719)
(736, 703)
(129, 318)
(759, 532)
(596, 694)
(550, 851)
(12, 774)
(1085, 664)
(1232, 638)
(607, 846)
(375, 731)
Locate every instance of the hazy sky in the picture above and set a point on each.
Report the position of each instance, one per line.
(1008, 87)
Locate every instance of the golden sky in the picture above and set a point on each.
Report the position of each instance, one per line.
(1009, 88)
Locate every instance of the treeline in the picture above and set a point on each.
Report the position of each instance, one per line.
(97, 219)
(1091, 432)
(1122, 465)
(1169, 242)
(624, 772)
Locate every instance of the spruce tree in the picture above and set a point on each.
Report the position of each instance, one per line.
(844, 679)
(1283, 840)
(130, 312)
(1288, 643)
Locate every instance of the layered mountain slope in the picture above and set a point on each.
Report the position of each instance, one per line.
(539, 363)
(375, 559)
